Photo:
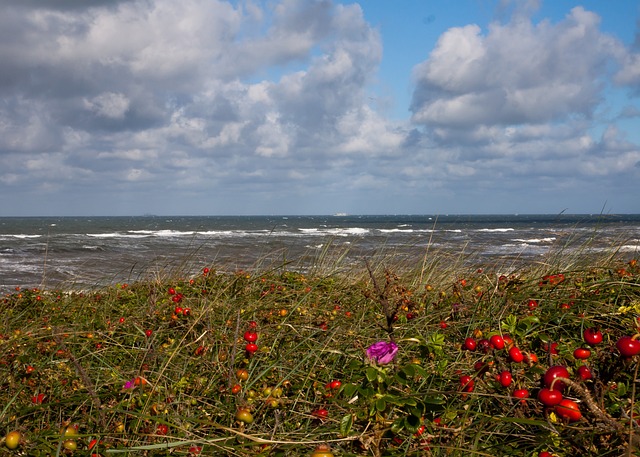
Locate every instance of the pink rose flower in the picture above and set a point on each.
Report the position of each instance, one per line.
(382, 352)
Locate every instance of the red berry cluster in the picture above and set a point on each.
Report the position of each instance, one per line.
(177, 297)
(251, 336)
(503, 378)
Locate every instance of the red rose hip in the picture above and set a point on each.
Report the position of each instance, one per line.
(628, 347)
(592, 336)
(554, 372)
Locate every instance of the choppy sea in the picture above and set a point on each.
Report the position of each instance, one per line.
(82, 252)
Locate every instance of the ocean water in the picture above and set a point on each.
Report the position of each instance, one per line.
(71, 252)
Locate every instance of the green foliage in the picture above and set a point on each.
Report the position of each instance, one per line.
(86, 358)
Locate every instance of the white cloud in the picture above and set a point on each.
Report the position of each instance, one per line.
(269, 101)
(129, 154)
(520, 101)
(9, 178)
(108, 104)
(365, 132)
(26, 125)
(629, 74)
(273, 140)
(519, 72)
(136, 174)
(155, 41)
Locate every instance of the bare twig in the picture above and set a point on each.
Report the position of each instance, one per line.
(600, 413)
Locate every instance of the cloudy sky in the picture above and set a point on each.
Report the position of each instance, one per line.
(127, 107)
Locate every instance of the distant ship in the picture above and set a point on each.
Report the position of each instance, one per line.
(340, 214)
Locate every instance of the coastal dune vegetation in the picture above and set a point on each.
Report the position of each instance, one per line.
(374, 358)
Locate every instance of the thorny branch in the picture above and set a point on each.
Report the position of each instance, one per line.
(392, 297)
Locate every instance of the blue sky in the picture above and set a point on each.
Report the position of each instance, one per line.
(125, 107)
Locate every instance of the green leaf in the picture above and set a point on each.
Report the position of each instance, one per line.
(381, 404)
(349, 390)
(397, 425)
(412, 423)
(372, 374)
(436, 339)
(410, 401)
(420, 371)
(182, 383)
(345, 425)
(409, 370)
(354, 365)
(622, 389)
(392, 399)
(401, 377)
(526, 324)
(433, 400)
(509, 323)
(417, 410)
(366, 392)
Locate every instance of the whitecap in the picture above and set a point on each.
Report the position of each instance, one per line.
(172, 233)
(349, 231)
(92, 248)
(630, 248)
(496, 230)
(115, 235)
(536, 240)
(396, 230)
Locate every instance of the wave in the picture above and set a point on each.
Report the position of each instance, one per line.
(522, 246)
(179, 233)
(495, 230)
(550, 239)
(20, 236)
(238, 233)
(172, 233)
(142, 234)
(92, 248)
(348, 231)
(115, 235)
(397, 230)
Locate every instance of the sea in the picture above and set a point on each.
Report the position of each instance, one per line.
(86, 252)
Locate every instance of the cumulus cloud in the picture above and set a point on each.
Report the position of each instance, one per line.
(163, 78)
(518, 72)
(109, 105)
(520, 100)
(629, 74)
(270, 102)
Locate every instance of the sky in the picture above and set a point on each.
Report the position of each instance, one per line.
(211, 107)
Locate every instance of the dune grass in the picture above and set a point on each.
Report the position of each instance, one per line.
(161, 366)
